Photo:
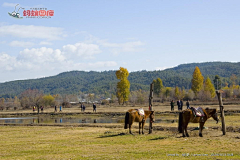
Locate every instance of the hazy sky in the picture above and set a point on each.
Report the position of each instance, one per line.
(104, 35)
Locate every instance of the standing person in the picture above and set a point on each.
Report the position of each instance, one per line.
(188, 105)
(179, 104)
(94, 107)
(83, 108)
(33, 108)
(41, 108)
(172, 105)
(55, 108)
(60, 108)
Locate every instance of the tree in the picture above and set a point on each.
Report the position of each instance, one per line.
(123, 86)
(158, 86)
(48, 100)
(197, 80)
(32, 98)
(177, 93)
(208, 86)
(233, 79)
(217, 82)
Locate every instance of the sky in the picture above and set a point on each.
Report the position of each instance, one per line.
(104, 35)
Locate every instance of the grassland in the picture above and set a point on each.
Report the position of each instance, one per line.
(38, 142)
(111, 141)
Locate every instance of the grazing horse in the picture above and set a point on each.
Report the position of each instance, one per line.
(188, 116)
(133, 115)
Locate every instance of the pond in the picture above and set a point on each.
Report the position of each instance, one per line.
(65, 119)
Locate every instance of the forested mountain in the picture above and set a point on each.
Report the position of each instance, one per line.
(102, 82)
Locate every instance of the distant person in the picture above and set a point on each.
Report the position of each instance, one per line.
(34, 108)
(179, 104)
(55, 108)
(60, 109)
(41, 108)
(83, 109)
(94, 107)
(172, 105)
(188, 105)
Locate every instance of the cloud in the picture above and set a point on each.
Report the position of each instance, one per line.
(31, 31)
(116, 48)
(41, 56)
(86, 51)
(21, 44)
(5, 4)
(48, 59)
(45, 43)
(4, 62)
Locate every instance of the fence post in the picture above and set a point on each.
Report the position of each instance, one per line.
(221, 111)
(150, 105)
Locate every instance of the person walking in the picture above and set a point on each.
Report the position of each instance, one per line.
(172, 105)
(81, 107)
(84, 108)
(60, 109)
(187, 104)
(94, 107)
(179, 104)
(55, 108)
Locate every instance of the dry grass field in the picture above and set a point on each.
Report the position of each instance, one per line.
(111, 141)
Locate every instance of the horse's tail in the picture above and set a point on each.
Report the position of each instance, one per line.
(126, 120)
(180, 122)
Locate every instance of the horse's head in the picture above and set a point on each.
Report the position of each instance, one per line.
(152, 118)
(213, 114)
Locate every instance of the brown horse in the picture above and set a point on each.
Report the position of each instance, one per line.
(132, 115)
(188, 116)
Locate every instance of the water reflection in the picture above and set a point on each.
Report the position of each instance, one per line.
(89, 119)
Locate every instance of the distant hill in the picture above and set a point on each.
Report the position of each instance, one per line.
(102, 82)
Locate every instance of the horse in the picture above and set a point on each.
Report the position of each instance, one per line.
(132, 115)
(188, 116)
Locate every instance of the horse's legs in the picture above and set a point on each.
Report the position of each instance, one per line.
(201, 124)
(186, 130)
(140, 127)
(130, 126)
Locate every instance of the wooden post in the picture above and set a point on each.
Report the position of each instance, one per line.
(150, 105)
(221, 111)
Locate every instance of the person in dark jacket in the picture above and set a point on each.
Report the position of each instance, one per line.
(179, 104)
(172, 105)
(94, 107)
(188, 105)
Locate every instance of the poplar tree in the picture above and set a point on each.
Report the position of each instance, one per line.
(197, 80)
(208, 86)
(123, 86)
(157, 86)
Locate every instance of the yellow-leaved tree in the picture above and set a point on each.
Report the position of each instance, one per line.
(208, 86)
(123, 86)
(197, 80)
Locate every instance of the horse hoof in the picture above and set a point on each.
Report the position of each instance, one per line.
(187, 135)
(200, 135)
(184, 136)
